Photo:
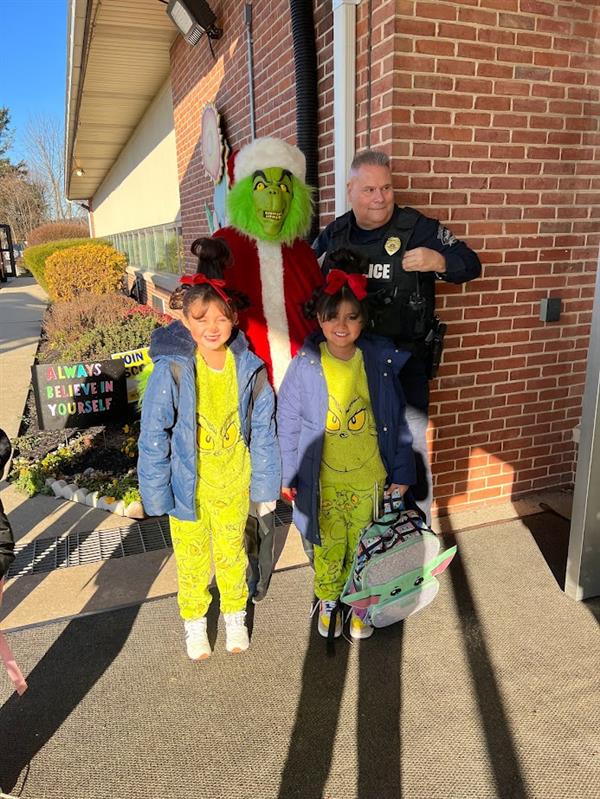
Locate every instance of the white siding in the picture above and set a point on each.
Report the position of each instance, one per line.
(142, 188)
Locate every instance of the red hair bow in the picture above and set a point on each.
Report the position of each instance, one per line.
(337, 278)
(199, 279)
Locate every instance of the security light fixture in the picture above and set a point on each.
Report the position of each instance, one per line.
(79, 172)
(193, 18)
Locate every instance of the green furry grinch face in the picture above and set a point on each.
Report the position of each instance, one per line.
(272, 193)
(244, 213)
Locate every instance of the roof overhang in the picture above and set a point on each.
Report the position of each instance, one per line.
(117, 60)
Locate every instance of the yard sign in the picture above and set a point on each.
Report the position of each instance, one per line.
(135, 362)
(79, 394)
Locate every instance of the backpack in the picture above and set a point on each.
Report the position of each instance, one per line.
(395, 567)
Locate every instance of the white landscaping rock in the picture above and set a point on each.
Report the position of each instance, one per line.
(119, 508)
(80, 495)
(72, 491)
(135, 510)
(92, 499)
(69, 490)
(106, 503)
(57, 487)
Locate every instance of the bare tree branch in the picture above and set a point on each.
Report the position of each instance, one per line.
(22, 203)
(43, 140)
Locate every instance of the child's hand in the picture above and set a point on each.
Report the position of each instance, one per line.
(288, 494)
(395, 487)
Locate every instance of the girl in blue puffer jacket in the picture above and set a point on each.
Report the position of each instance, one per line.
(208, 445)
(342, 432)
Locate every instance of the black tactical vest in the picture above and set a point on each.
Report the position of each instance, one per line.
(403, 303)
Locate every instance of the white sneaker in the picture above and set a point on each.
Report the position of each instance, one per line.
(236, 632)
(358, 629)
(326, 607)
(196, 639)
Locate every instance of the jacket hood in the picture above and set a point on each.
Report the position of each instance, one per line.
(175, 340)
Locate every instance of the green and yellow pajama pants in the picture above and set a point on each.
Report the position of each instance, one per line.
(221, 522)
(344, 513)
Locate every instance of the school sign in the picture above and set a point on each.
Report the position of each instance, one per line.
(135, 362)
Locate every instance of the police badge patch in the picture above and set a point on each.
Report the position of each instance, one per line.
(392, 245)
(446, 236)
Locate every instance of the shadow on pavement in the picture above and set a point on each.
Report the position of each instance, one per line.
(70, 668)
(593, 605)
(551, 534)
(318, 714)
(501, 746)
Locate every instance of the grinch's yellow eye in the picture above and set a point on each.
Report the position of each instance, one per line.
(205, 439)
(260, 186)
(333, 423)
(284, 188)
(230, 436)
(357, 422)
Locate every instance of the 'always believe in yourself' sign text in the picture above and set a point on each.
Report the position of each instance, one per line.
(79, 394)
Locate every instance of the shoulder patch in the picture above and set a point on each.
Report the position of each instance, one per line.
(446, 236)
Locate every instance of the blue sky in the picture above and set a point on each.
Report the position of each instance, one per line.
(33, 62)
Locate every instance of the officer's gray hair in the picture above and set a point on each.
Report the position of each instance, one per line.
(369, 158)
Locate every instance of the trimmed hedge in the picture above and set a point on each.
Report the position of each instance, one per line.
(58, 230)
(99, 343)
(66, 322)
(76, 270)
(35, 257)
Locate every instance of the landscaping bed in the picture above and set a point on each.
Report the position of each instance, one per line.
(96, 463)
(99, 459)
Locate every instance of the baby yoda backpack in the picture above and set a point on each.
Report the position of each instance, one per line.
(395, 567)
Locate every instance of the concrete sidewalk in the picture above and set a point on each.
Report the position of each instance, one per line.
(22, 307)
(490, 693)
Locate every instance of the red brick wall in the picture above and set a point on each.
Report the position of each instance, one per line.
(489, 109)
(196, 79)
(491, 118)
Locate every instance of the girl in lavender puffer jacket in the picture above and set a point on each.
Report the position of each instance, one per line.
(342, 432)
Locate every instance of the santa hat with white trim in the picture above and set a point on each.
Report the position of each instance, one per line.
(269, 152)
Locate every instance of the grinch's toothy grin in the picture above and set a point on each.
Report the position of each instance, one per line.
(276, 215)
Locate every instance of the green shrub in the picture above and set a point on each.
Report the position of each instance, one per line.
(122, 335)
(30, 478)
(35, 257)
(124, 487)
(56, 231)
(76, 270)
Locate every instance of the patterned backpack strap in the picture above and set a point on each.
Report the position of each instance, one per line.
(257, 386)
(175, 368)
(259, 383)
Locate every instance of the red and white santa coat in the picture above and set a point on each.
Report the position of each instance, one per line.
(278, 279)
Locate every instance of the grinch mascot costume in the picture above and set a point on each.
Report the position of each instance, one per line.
(269, 209)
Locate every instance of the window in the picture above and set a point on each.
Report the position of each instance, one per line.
(156, 249)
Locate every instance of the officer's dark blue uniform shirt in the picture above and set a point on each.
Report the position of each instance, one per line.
(462, 265)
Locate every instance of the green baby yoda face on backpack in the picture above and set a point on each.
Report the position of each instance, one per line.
(395, 568)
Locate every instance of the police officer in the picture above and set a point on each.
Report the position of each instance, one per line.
(407, 252)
